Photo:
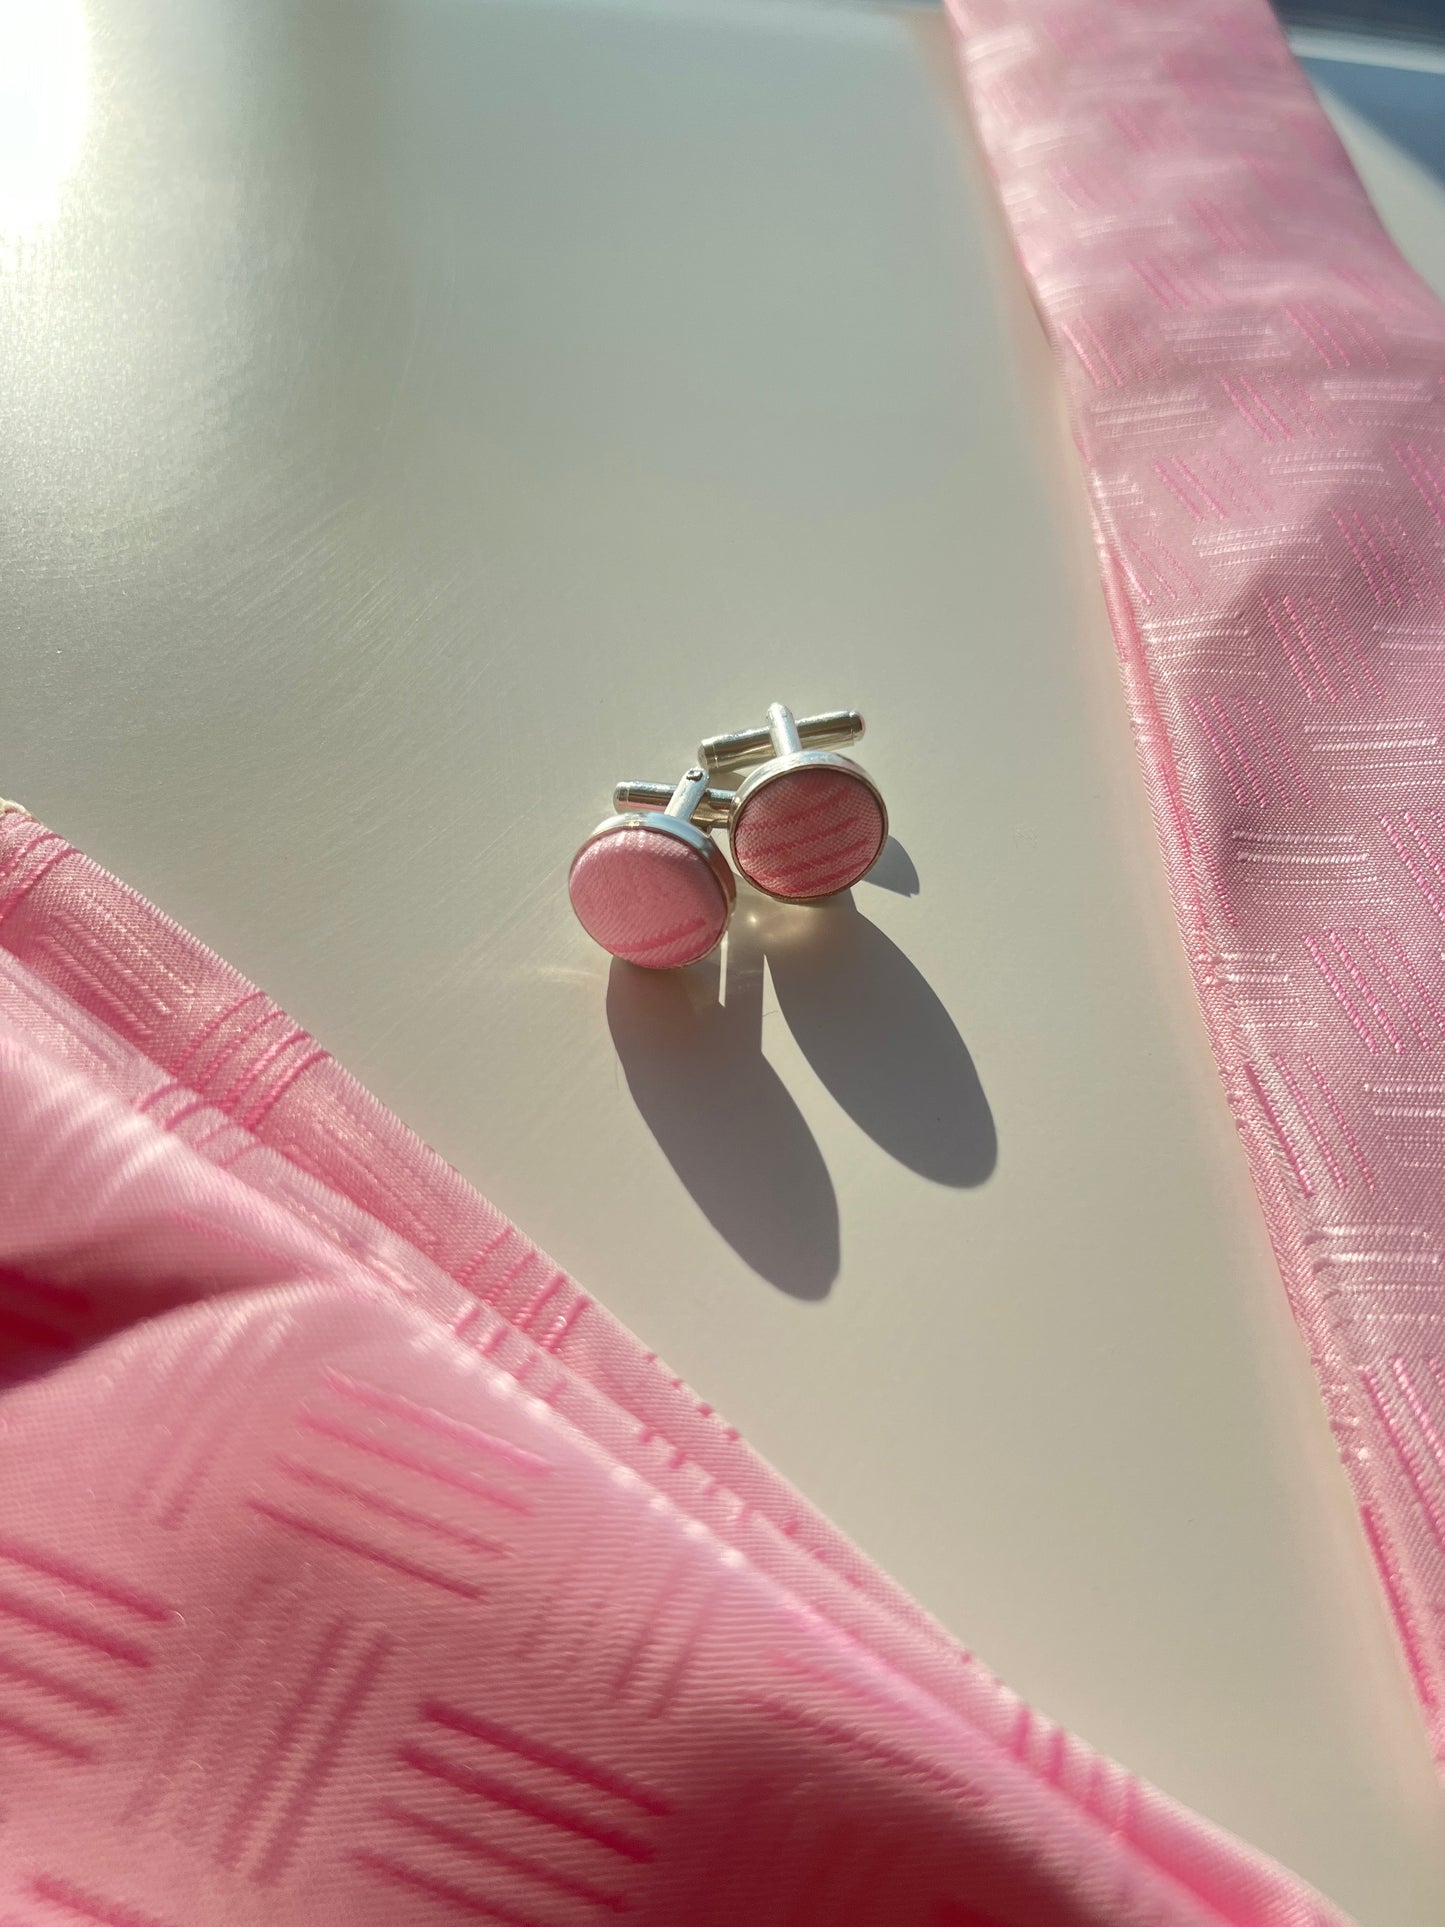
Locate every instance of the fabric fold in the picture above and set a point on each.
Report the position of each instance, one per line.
(356, 1567)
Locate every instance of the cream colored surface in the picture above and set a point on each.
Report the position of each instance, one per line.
(421, 413)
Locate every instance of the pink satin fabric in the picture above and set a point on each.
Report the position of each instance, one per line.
(648, 898)
(808, 834)
(358, 1570)
(1257, 387)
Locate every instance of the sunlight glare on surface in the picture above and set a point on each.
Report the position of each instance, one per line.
(44, 89)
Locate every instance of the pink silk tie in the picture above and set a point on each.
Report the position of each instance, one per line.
(357, 1570)
(1257, 387)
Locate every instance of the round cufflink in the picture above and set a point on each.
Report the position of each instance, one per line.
(808, 822)
(650, 885)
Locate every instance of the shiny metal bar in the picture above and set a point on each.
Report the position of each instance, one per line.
(779, 737)
(709, 809)
(688, 794)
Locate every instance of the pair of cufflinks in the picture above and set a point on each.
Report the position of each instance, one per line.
(651, 886)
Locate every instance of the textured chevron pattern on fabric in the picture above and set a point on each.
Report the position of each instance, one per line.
(1257, 387)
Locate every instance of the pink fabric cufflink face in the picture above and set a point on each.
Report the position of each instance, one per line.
(806, 822)
(654, 889)
(809, 832)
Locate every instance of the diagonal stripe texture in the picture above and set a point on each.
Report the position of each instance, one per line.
(1257, 387)
(358, 1570)
(648, 899)
(808, 833)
